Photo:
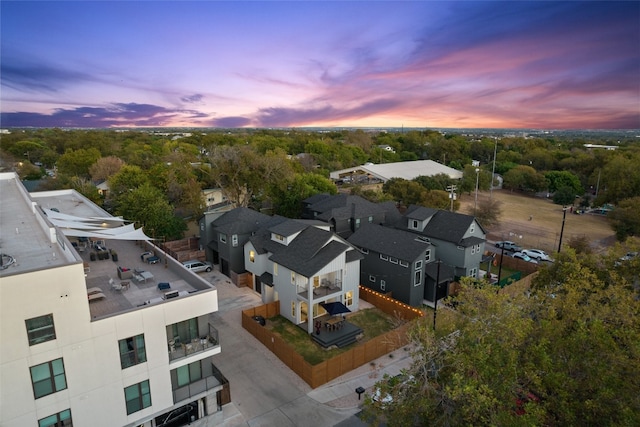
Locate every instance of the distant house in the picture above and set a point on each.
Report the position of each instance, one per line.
(302, 265)
(345, 213)
(394, 262)
(213, 197)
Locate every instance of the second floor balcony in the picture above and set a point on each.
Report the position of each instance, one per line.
(191, 337)
(324, 288)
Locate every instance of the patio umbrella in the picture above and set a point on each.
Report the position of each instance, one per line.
(334, 308)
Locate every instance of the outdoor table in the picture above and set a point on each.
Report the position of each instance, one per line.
(146, 275)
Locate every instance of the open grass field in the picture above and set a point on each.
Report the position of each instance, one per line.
(543, 230)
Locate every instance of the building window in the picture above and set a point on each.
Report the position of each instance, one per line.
(138, 397)
(293, 309)
(383, 285)
(370, 219)
(404, 263)
(418, 265)
(48, 378)
(418, 278)
(478, 248)
(252, 256)
(278, 237)
(472, 228)
(293, 278)
(60, 419)
(473, 250)
(413, 224)
(427, 255)
(188, 374)
(234, 240)
(132, 351)
(275, 269)
(357, 223)
(40, 329)
(348, 298)
(372, 279)
(384, 257)
(223, 238)
(473, 272)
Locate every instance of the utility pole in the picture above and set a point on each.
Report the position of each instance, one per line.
(564, 217)
(451, 189)
(475, 206)
(435, 298)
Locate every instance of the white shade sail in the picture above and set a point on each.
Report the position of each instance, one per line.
(102, 228)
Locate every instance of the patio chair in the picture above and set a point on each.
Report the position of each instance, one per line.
(93, 290)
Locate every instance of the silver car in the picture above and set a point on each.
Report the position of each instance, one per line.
(197, 266)
(524, 257)
(537, 254)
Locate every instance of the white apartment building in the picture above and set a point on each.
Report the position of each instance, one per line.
(84, 344)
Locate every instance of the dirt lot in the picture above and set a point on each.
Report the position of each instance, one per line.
(536, 222)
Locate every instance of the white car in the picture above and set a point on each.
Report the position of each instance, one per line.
(524, 257)
(537, 254)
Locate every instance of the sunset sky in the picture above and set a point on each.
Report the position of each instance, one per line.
(426, 64)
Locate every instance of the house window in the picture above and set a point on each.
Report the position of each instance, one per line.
(252, 256)
(478, 248)
(473, 250)
(418, 278)
(404, 263)
(383, 285)
(370, 219)
(293, 278)
(418, 265)
(293, 309)
(48, 378)
(223, 238)
(275, 269)
(413, 224)
(364, 251)
(473, 272)
(234, 240)
(40, 329)
(372, 279)
(132, 351)
(393, 260)
(357, 223)
(427, 255)
(348, 298)
(472, 228)
(278, 237)
(60, 419)
(138, 397)
(384, 257)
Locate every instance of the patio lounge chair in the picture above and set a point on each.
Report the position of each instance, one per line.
(93, 290)
(97, 296)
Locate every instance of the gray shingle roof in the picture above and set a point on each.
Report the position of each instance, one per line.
(309, 251)
(389, 241)
(240, 221)
(444, 225)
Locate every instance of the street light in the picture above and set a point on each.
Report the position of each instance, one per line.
(475, 206)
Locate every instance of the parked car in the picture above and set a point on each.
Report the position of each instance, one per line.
(537, 254)
(197, 266)
(508, 246)
(524, 257)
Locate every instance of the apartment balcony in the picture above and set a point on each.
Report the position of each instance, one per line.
(192, 344)
(209, 380)
(326, 288)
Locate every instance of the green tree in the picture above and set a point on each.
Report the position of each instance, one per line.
(559, 179)
(524, 178)
(78, 162)
(147, 206)
(566, 353)
(287, 196)
(564, 195)
(625, 218)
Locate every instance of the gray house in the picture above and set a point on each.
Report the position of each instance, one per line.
(395, 262)
(345, 213)
(458, 240)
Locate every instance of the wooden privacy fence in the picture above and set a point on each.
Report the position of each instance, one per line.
(322, 373)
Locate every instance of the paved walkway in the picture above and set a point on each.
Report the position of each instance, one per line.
(264, 391)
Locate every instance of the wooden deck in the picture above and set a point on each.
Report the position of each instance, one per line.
(341, 336)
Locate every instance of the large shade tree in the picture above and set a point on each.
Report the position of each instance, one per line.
(566, 353)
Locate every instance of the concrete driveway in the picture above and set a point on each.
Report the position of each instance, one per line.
(264, 392)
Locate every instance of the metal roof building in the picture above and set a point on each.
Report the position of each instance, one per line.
(404, 170)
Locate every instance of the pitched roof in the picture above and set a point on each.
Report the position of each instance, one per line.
(311, 250)
(445, 225)
(390, 241)
(240, 221)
